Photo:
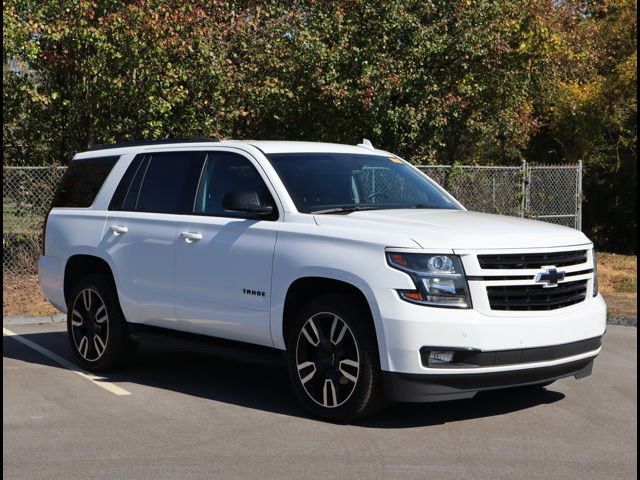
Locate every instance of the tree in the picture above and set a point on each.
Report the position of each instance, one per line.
(592, 116)
(437, 81)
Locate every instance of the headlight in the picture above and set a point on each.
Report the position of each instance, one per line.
(439, 279)
(595, 272)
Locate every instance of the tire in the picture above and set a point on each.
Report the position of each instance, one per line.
(96, 327)
(332, 358)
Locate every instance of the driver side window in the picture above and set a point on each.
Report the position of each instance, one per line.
(225, 173)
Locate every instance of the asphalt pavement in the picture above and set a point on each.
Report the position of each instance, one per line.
(181, 415)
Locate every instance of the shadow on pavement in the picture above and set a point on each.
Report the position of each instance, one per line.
(266, 387)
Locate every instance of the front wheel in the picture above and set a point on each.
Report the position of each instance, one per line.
(333, 361)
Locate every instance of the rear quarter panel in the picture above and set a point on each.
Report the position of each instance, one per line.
(76, 231)
(70, 231)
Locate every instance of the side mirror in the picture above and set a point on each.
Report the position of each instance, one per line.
(245, 202)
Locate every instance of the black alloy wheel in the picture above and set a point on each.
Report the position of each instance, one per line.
(90, 325)
(327, 359)
(96, 326)
(333, 360)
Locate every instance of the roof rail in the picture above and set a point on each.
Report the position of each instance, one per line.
(366, 144)
(140, 143)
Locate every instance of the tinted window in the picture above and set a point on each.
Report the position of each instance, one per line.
(133, 190)
(319, 181)
(169, 183)
(82, 181)
(134, 172)
(225, 173)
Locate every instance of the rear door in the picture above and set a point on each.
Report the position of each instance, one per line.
(141, 231)
(224, 259)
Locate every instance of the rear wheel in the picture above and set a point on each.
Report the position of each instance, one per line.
(96, 326)
(332, 357)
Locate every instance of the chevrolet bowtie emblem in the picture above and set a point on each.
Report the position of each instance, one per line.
(549, 277)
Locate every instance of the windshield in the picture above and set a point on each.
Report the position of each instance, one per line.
(343, 182)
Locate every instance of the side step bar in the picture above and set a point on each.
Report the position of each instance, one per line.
(241, 351)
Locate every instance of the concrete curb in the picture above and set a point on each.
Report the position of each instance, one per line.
(29, 320)
(624, 321)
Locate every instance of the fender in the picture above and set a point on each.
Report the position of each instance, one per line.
(100, 254)
(280, 293)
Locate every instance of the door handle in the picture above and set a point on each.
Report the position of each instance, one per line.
(119, 229)
(191, 237)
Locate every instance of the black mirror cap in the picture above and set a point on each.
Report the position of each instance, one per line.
(245, 202)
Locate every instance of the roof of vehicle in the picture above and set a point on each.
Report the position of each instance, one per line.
(278, 146)
(266, 146)
(144, 143)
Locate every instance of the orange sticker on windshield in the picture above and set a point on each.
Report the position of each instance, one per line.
(395, 160)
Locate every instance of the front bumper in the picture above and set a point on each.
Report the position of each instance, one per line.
(402, 387)
(408, 328)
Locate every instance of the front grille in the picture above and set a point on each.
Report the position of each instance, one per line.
(532, 260)
(536, 297)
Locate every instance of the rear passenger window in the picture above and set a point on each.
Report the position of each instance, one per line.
(130, 181)
(168, 183)
(82, 181)
(133, 192)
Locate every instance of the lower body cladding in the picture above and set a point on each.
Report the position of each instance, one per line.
(436, 354)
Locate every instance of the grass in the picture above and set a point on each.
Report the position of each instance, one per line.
(618, 283)
(15, 220)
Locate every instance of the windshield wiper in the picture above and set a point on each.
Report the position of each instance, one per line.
(358, 208)
(418, 205)
(353, 208)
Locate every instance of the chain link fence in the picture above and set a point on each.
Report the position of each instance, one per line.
(489, 189)
(550, 193)
(26, 197)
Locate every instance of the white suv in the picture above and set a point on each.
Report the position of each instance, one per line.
(375, 282)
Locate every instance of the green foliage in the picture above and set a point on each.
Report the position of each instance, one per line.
(437, 81)
(592, 116)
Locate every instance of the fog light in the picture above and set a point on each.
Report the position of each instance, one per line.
(440, 356)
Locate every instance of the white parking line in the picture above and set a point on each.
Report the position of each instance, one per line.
(110, 387)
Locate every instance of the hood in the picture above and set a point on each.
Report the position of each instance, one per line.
(455, 229)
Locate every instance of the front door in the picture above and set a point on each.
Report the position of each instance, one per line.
(223, 259)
